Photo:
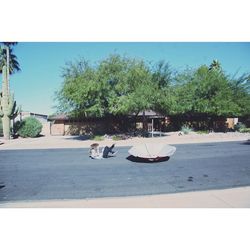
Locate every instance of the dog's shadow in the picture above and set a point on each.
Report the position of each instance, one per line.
(143, 160)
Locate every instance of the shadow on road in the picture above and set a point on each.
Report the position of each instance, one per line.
(246, 142)
(79, 137)
(143, 160)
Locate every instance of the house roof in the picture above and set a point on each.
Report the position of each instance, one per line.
(59, 117)
(150, 114)
(33, 114)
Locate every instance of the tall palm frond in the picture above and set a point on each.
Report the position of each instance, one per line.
(215, 65)
(14, 65)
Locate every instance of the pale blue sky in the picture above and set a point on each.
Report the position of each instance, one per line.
(41, 63)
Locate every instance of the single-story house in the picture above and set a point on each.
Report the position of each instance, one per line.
(154, 120)
(40, 117)
(63, 124)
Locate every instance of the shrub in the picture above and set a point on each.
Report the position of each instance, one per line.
(239, 126)
(170, 127)
(186, 129)
(1, 127)
(202, 132)
(98, 138)
(117, 137)
(244, 130)
(30, 127)
(120, 137)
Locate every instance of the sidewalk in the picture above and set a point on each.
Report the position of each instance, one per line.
(79, 141)
(227, 198)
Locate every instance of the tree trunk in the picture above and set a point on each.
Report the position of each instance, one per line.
(8, 69)
(6, 127)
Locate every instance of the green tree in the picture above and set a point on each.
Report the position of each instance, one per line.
(182, 93)
(120, 86)
(213, 95)
(117, 85)
(135, 91)
(207, 92)
(81, 92)
(162, 74)
(241, 93)
(215, 65)
(13, 61)
(205, 95)
(113, 76)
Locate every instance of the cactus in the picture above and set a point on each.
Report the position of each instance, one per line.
(7, 105)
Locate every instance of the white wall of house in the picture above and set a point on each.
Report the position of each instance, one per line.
(40, 117)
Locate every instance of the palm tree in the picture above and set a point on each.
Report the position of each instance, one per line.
(13, 63)
(215, 65)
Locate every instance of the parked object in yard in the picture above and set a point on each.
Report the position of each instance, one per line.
(152, 151)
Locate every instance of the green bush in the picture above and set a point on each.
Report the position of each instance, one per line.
(1, 127)
(98, 138)
(202, 132)
(117, 137)
(186, 129)
(239, 126)
(29, 127)
(244, 130)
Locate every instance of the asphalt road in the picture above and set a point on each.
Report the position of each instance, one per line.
(71, 174)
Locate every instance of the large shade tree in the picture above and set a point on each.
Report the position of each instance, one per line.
(121, 86)
(80, 93)
(117, 85)
(241, 93)
(163, 79)
(208, 94)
